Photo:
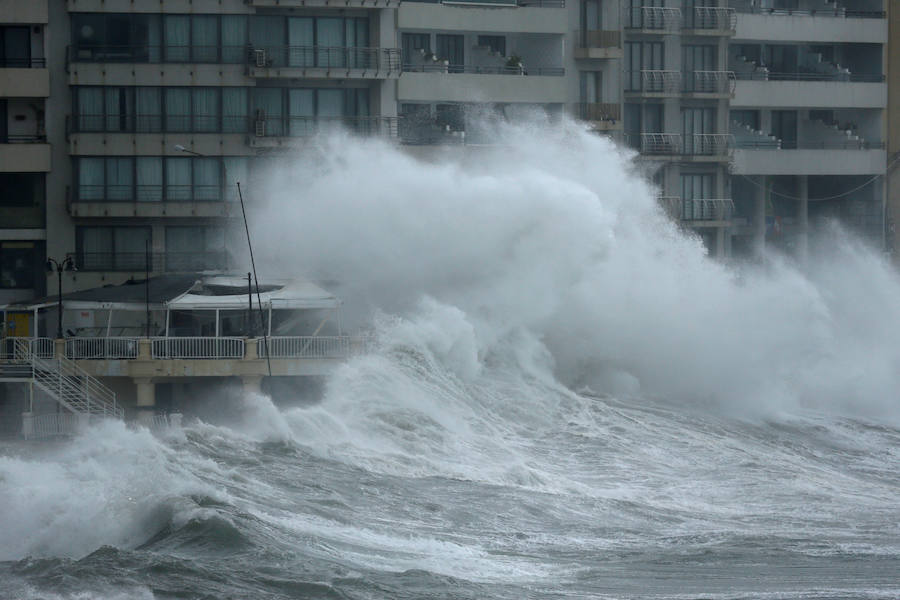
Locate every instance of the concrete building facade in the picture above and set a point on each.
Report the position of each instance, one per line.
(756, 118)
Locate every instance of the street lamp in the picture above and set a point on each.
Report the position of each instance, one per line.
(66, 265)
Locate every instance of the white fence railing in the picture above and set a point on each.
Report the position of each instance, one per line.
(23, 348)
(713, 17)
(92, 348)
(661, 82)
(198, 347)
(306, 347)
(50, 425)
(710, 82)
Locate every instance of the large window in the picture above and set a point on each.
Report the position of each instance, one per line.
(641, 57)
(21, 189)
(111, 248)
(18, 261)
(195, 248)
(15, 47)
(157, 179)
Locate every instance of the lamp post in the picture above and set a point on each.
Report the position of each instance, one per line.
(66, 264)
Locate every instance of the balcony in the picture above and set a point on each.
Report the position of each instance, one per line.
(653, 19)
(508, 17)
(495, 84)
(762, 88)
(599, 45)
(707, 211)
(28, 155)
(21, 78)
(293, 131)
(708, 20)
(698, 147)
(708, 84)
(601, 116)
(322, 62)
(343, 4)
(653, 84)
(155, 262)
(810, 159)
(815, 23)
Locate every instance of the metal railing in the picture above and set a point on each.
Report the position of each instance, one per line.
(711, 18)
(22, 63)
(653, 17)
(707, 144)
(655, 82)
(597, 111)
(32, 138)
(52, 424)
(155, 54)
(325, 57)
(839, 144)
(707, 210)
(101, 348)
(599, 39)
(74, 388)
(709, 82)
(148, 193)
(656, 143)
(157, 123)
(765, 75)
(160, 262)
(748, 7)
(23, 348)
(307, 347)
(440, 67)
(310, 126)
(197, 347)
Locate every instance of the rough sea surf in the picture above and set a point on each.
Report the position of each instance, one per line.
(565, 398)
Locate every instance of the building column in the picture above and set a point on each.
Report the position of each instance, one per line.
(146, 400)
(252, 384)
(720, 242)
(759, 215)
(803, 220)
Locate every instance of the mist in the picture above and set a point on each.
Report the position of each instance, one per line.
(549, 250)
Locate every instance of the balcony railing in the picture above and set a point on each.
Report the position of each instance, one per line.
(711, 18)
(709, 82)
(101, 348)
(752, 7)
(153, 54)
(655, 143)
(310, 126)
(539, 3)
(597, 111)
(32, 138)
(654, 82)
(839, 144)
(600, 39)
(707, 144)
(325, 57)
(22, 63)
(707, 210)
(197, 348)
(306, 347)
(653, 18)
(439, 67)
(160, 262)
(148, 193)
(22, 348)
(159, 123)
(765, 75)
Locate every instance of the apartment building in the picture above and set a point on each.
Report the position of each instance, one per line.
(809, 121)
(24, 152)
(756, 119)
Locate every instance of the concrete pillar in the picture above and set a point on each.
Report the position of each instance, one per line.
(59, 348)
(252, 384)
(146, 400)
(251, 348)
(720, 242)
(27, 424)
(759, 215)
(145, 349)
(803, 220)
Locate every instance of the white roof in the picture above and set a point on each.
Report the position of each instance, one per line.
(294, 295)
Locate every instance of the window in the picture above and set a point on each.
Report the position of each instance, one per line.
(416, 48)
(195, 248)
(694, 188)
(21, 189)
(696, 126)
(111, 248)
(591, 84)
(496, 43)
(642, 16)
(696, 63)
(116, 37)
(639, 57)
(784, 127)
(591, 16)
(15, 47)
(18, 264)
(452, 49)
(749, 118)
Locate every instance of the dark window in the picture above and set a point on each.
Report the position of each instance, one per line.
(21, 189)
(111, 248)
(17, 265)
(15, 47)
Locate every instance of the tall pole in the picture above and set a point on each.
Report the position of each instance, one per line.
(147, 284)
(262, 324)
(59, 332)
(250, 306)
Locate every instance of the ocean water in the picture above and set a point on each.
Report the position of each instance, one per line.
(566, 398)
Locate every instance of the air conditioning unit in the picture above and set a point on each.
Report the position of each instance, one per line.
(259, 55)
